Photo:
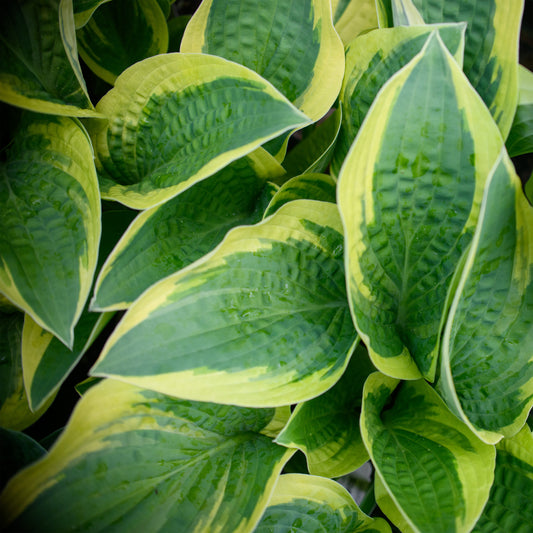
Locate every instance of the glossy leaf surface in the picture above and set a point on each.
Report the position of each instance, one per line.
(487, 364)
(50, 222)
(245, 325)
(436, 473)
(134, 459)
(311, 504)
(175, 119)
(409, 195)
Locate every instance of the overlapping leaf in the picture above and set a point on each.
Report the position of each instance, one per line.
(371, 60)
(50, 222)
(326, 428)
(295, 46)
(311, 504)
(434, 474)
(487, 364)
(351, 17)
(263, 320)
(39, 68)
(84, 9)
(121, 33)
(166, 238)
(409, 194)
(509, 507)
(491, 49)
(132, 459)
(175, 119)
(520, 140)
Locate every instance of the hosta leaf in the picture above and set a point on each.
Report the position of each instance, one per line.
(491, 49)
(84, 9)
(510, 507)
(314, 152)
(384, 12)
(39, 64)
(326, 428)
(47, 362)
(247, 324)
(409, 195)
(175, 119)
(370, 61)
(404, 13)
(132, 459)
(121, 33)
(351, 17)
(520, 140)
(295, 45)
(166, 238)
(487, 364)
(15, 412)
(307, 186)
(50, 222)
(311, 504)
(436, 472)
(17, 450)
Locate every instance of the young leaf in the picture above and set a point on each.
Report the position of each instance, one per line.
(132, 459)
(307, 186)
(371, 60)
(295, 46)
(50, 222)
(491, 49)
(246, 324)
(509, 506)
(175, 119)
(409, 195)
(39, 68)
(47, 362)
(311, 504)
(15, 412)
(168, 237)
(487, 364)
(326, 428)
(351, 17)
(121, 33)
(436, 473)
(520, 140)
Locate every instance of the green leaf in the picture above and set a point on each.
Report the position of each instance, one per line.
(132, 459)
(326, 428)
(352, 17)
(409, 195)
(311, 504)
(246, 324)
(17, 451)
(520, 140)
(295, 47)
(39, 63)
(84, 9)
(307, 186)
(175, 119)
(491, 49)
(509, 507)
(314, 152)
(50, 221)
(47, 362)
(166, 238)
(404, 13)
(437, 474)
(487, 364)
(121, 33)
(15, 412)
(370, 61)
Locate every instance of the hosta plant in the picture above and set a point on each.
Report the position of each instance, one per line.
(287, 239)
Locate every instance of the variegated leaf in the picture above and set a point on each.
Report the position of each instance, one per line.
(245, 325)
(132, 459)
(175, 119)
(487, 363)
(520, 140)
(409, 194)
(434, 474)
(352, 17)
